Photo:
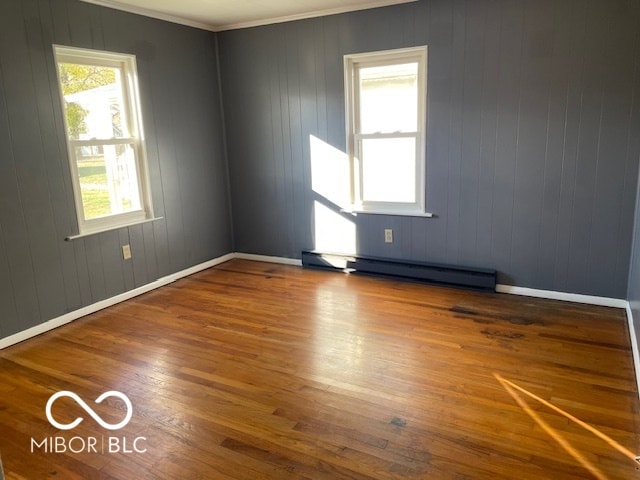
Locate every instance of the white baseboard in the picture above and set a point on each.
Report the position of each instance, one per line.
(89, 309)
(634, 346)
(509, 289)
(590, 300)
(529, 292)
(265, 258)
(566, 297)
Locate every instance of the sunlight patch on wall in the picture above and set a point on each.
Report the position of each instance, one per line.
(335, 231)
(330, 176)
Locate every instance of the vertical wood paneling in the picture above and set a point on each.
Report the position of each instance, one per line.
(94, 18)
(7, 295)
(456, 105)
(509, 85)
(475, 30)
(82, 269)
(334, 53)
(488, 142)
(168, 100)
(592, 97)
(276, 224)
(631, 174)
(32, 141)
(62, 289)
(533, 105)
(419, 239)
(555, 163)
(139, 261)
(112, 262)
(231, 95)
(440, 42)
(290, 114)
(575, 60)
(296, 65)
(309, 123)
(319, 78)
(633, 151)
(43, 276)
(79, 24)
(55, 157)
(607, 213)
(127, 265)
(60, 21)
(156, 246)
(8, 304)
(151, 248)
(19, 150)
(95, 267)
(527, 170)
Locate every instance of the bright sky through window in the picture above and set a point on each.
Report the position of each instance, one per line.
(99, 98)
(95, 110)
(386, 115)
(388, 98)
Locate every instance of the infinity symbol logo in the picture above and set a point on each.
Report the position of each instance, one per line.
(89, 410)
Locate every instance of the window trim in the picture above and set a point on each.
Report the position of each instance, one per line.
(131, 100)
(352, 64)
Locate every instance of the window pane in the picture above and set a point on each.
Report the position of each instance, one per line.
(108, 180)
(389, 98)
(388, 170)
(93, 100)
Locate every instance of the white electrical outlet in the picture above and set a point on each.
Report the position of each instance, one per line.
(388, 235)
(126, 252)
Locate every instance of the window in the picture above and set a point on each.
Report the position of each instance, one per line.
(386, 115)
(104, 138)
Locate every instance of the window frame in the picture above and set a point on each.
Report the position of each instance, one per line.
(352, 65)
(131, 106)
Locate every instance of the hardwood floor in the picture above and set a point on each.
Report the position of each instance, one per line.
(260, 371)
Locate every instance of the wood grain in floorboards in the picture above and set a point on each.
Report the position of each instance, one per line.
(259, 371)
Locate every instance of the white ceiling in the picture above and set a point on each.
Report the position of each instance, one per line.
(217, 15)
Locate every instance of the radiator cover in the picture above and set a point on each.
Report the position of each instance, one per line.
(483, 279)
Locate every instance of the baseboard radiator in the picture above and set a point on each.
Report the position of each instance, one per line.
(483, 279)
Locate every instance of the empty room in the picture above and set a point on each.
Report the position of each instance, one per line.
(319, 239)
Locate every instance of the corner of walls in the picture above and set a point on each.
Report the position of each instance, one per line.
(161, 282)
(633, 289)
(95, 307)
(633, 279)
(634, 345)
(225, 150)
(42, 277)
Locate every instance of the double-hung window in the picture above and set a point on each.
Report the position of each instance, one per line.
(385, 94)
(104, 137)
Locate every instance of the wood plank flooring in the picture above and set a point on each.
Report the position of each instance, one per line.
(259, 371)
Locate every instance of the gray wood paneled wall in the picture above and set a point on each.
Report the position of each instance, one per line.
(532, 151)
(41, 275)
(532, 148)
(633, 290)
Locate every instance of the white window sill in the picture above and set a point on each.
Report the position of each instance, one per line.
(108, 229)
(397, 213)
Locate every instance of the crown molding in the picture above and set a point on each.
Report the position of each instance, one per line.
(235, 26)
